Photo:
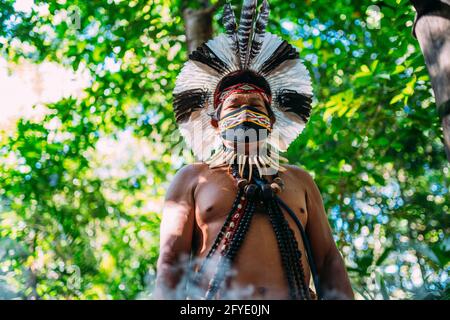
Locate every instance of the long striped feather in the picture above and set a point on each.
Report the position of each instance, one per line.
(245, 30)
(260, 30)
(229, 22)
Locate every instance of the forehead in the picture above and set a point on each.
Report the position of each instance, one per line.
(244, 98)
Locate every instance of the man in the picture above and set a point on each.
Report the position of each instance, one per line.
(239, 224)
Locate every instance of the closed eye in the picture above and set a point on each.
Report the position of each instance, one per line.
(233, 106)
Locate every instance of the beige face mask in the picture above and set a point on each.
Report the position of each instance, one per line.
(245, 125)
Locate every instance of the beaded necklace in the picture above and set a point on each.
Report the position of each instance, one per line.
(236, 225)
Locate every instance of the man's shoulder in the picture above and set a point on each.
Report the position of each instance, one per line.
(191, 171)
(195, 168)
(186, 179)
(299, 173)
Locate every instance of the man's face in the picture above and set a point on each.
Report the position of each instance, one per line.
(233, 104)
(237, 100)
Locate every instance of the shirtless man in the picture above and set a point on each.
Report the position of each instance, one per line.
(196, 206)
(226, 210)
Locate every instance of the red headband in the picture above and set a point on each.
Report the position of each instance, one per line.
(220, 97)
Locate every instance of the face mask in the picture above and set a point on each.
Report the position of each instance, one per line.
(246, 124)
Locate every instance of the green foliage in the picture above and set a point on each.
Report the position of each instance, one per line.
(373, 143)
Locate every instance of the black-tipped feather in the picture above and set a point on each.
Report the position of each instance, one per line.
(245, 30)
(292, 101)
(229, 22)
(186, 102)
(284, 52)
(260, 30)
(206, 56)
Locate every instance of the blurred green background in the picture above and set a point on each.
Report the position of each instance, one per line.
(88, 143)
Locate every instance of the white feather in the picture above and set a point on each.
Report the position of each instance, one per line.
(196, 75)
(270, 44)
(292, 75)
(222, 47)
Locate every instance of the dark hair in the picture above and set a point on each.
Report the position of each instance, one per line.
(243, 76)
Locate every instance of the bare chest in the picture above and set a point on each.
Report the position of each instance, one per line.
(214, 198)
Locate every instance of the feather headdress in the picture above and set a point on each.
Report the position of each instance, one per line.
(247, 47)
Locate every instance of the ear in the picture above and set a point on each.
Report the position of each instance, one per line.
(215, 117)
(272, 119)
(271, 114)
(214, 122)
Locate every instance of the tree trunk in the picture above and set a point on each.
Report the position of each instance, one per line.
(432, 30)
(198, 25)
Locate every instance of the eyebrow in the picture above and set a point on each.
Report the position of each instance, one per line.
(255, 100)
(251, 100)
(235, 99)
